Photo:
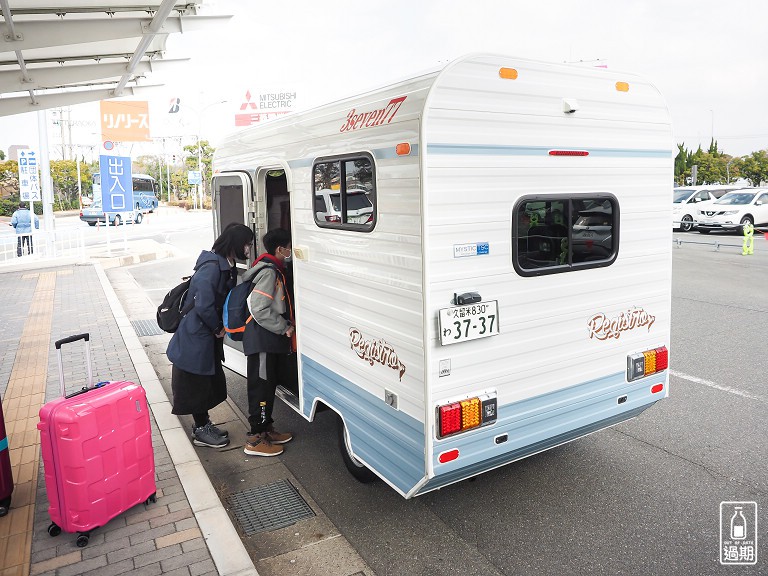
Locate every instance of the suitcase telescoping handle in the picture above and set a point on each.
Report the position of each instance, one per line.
(68, 340)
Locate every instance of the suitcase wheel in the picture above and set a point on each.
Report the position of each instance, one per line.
(152, 498)
(82, 540)
(3, 510)
(54, 529)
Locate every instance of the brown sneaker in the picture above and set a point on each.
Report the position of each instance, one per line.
(278, 437)
(260, 445)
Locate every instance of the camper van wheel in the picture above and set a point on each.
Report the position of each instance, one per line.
(54, 529)
(355, 467)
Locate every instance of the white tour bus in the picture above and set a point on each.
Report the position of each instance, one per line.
(509, 288)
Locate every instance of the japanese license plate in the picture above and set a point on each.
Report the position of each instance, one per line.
(469, 322)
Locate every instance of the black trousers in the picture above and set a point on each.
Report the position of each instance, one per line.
(26, 241)
(261, 391)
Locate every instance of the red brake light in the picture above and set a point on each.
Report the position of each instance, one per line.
(662, 358)
(450, 418)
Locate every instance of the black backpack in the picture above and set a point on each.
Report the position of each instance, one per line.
(173, 307)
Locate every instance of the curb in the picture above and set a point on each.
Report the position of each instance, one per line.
(227, 550)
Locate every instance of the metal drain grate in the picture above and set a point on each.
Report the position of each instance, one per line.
(269, 507)
(146, 327)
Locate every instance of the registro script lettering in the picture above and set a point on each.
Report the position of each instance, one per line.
(375, 350)
(373, 118)
(603, 328)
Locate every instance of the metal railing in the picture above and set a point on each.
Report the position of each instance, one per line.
(45, 246)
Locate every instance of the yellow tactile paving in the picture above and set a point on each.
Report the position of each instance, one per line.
(23, 398)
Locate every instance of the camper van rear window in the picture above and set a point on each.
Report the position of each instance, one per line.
(554, 234)
(345, 192)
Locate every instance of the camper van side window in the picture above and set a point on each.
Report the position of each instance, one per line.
(563, 234)
(345, 193)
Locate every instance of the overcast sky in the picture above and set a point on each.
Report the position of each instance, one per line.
(708, 58)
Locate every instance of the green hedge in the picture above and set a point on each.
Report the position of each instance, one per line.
(9, 205)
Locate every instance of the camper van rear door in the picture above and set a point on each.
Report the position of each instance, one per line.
(470, 322)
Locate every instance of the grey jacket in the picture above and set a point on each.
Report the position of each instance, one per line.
(270, 307)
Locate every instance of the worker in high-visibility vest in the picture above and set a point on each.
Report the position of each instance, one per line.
(749, 240)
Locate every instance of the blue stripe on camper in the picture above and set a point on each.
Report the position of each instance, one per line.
(477, 150)
(4, 444)
(390, 441)
(386, 153)
(541, 422)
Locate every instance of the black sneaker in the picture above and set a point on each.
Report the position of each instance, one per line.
(216, 430)
(205, 436)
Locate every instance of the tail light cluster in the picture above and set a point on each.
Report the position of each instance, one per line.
(466, 414)
(646, 363)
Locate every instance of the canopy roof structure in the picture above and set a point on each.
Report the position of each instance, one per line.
(64, 52)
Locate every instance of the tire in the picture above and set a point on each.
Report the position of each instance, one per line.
(355, 467)
(746, 220)
(117, 221)
(138, 218)
(138, 208)
(703, 231)
(91, 223)
(53, 529)
(82, 540)
(686, 225)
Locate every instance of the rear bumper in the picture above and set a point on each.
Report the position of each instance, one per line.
(525, 451)
(542, 422)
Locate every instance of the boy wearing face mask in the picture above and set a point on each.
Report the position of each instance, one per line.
(265, 339)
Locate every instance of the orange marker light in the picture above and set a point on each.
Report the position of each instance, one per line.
(622, 86)
(403, 149)
(508, 73)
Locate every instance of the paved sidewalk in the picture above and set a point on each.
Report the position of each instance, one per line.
(187, 531)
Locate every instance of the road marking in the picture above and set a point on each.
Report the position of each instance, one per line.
(711, 384)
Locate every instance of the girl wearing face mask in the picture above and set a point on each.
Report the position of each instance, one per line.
(266, 339)
(197, 347)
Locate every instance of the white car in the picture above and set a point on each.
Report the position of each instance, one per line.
(328, 206)
(686, 201)
(734, 210)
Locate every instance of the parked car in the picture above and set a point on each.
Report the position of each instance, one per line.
(328, 206)
(94, 214)
(686, 201)
(592, 235)
(734, 210)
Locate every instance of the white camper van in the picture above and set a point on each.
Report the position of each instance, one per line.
(508, 289)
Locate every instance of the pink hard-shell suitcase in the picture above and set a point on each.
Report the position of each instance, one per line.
(6, 478)
(97, 452)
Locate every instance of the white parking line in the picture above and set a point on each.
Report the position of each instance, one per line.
(711, 384)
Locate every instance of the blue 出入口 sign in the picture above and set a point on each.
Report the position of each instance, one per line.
(116, 183)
